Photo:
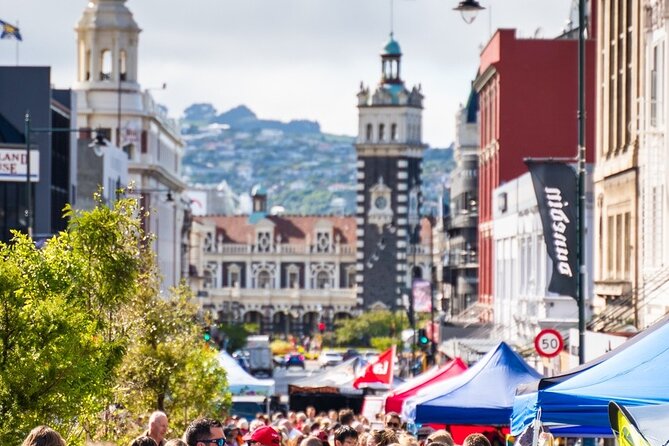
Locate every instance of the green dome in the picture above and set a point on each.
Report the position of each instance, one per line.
(392, 48)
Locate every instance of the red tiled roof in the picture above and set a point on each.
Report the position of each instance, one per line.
(292, 228)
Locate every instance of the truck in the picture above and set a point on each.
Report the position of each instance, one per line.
(259, 355)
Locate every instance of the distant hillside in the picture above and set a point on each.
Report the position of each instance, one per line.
(303, 170)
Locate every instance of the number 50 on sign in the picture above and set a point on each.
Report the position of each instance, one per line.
(549, 343)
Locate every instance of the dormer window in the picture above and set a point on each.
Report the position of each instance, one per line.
(323, 242)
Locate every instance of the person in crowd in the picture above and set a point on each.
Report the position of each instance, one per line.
(440, 436)
(263, 436)
(243, 426)
(256, 424)
(291, 432)
(392, 420)
(157, 428)
(362, 438)
(346, 436)
(43, 436)
(385, 437)
(175, 442)
(301, 418)
(311, 441)
(204, 432)
(232, 435)
(311, 413)
(476, 440)
(346, 417)
(333, 415)
(370, 438)
(406, 439)
(143, 440)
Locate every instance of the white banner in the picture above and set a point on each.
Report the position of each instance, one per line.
(13, 165)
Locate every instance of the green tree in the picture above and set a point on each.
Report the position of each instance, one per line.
(59, 341)
(373, 324)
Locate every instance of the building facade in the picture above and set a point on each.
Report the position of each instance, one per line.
(619, 89)
(461, 262)
(389, 153)
(522, 269)
(285, 273)
(527, 99)
(111, 99)
(53, 183)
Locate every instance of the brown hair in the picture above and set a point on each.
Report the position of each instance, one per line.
(384, 437)
(476, 440)
(43, 436)
(440, 436)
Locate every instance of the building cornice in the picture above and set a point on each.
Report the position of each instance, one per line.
(482, 79)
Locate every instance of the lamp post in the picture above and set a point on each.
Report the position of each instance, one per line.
(97, 144)
(471, 8)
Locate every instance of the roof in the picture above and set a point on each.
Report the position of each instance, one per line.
(8, 133)
(392, 48)
(293, 229)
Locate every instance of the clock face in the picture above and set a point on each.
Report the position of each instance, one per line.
(381, 202)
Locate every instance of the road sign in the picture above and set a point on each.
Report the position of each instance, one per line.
(549, 343)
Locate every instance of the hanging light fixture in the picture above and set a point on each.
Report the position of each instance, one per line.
(468, 10)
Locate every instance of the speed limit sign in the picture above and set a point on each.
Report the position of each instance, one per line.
(548, 343)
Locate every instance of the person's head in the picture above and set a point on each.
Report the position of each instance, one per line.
(407, 440)
(392, 420)
(440, 436)
(204, 432)
(256, 424)
(311, 441)
(333, 415)
(231, 431)
(158, 426)
(311, 412)
(175, 442)
(144, 440)
(346, 417)
(263, 436)
(43, 436)
(384, 437)
(476, 440)
(346, 436)
(243, 424)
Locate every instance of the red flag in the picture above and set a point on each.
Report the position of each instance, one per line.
(379, 371)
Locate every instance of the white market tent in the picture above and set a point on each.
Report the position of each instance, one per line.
(240, 382)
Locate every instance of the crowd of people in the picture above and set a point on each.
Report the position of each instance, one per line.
(334, 428)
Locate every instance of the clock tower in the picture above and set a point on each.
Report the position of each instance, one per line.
(389, 153)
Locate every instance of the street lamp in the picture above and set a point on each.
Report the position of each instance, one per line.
(471, 7)
(468, 10)
(97, 143)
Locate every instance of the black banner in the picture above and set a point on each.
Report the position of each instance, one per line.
(555, 185)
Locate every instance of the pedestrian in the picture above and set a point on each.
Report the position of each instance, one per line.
(346, 417)
(392, 420)
(440, 436)
(204, 430)
(311, 441)
(157, 427)
(263, 436)
(232, 435)
(476, 440)
(43, 436)
(384, 437)
(143, 440)
(345, 436)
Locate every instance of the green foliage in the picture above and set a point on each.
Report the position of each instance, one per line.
(81, 317)
(373, 324)
(236, 335)
(383, 343)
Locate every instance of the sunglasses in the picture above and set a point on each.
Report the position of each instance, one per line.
(218, 441)
(391, 425)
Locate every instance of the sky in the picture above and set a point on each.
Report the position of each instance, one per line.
(289, 59)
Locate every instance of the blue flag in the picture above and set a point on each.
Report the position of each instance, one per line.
(9, 31)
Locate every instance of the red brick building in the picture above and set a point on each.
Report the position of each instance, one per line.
(528, 108)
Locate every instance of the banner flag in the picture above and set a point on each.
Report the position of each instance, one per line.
(379, 371)
(8, 31)
(422, 295)
(555, 185)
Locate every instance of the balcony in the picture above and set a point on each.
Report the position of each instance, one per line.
(464, 219)
(279, 297)
(284, 248)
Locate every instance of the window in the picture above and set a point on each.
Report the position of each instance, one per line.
(234, 276)
(350, 277)
(105, 65)
(382, 129)
(264, 279)
(264, 242)
(123, 65)
(322, 280)
(293, 277)
(368, 132)
(393, 132)
(323, 242)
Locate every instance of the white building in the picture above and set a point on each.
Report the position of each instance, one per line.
(522, 269)
(110, 98)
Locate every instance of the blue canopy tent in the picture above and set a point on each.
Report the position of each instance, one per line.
(481, 395)
(633, 374)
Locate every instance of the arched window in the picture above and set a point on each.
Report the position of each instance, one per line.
(88, 65)
(393, 132)
(322, 280)
(368, 132)
(382, 129)
(105, 65)
(123, 65)
(264, 279)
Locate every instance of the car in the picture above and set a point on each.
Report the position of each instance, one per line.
(329, 357)
(294, 360)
